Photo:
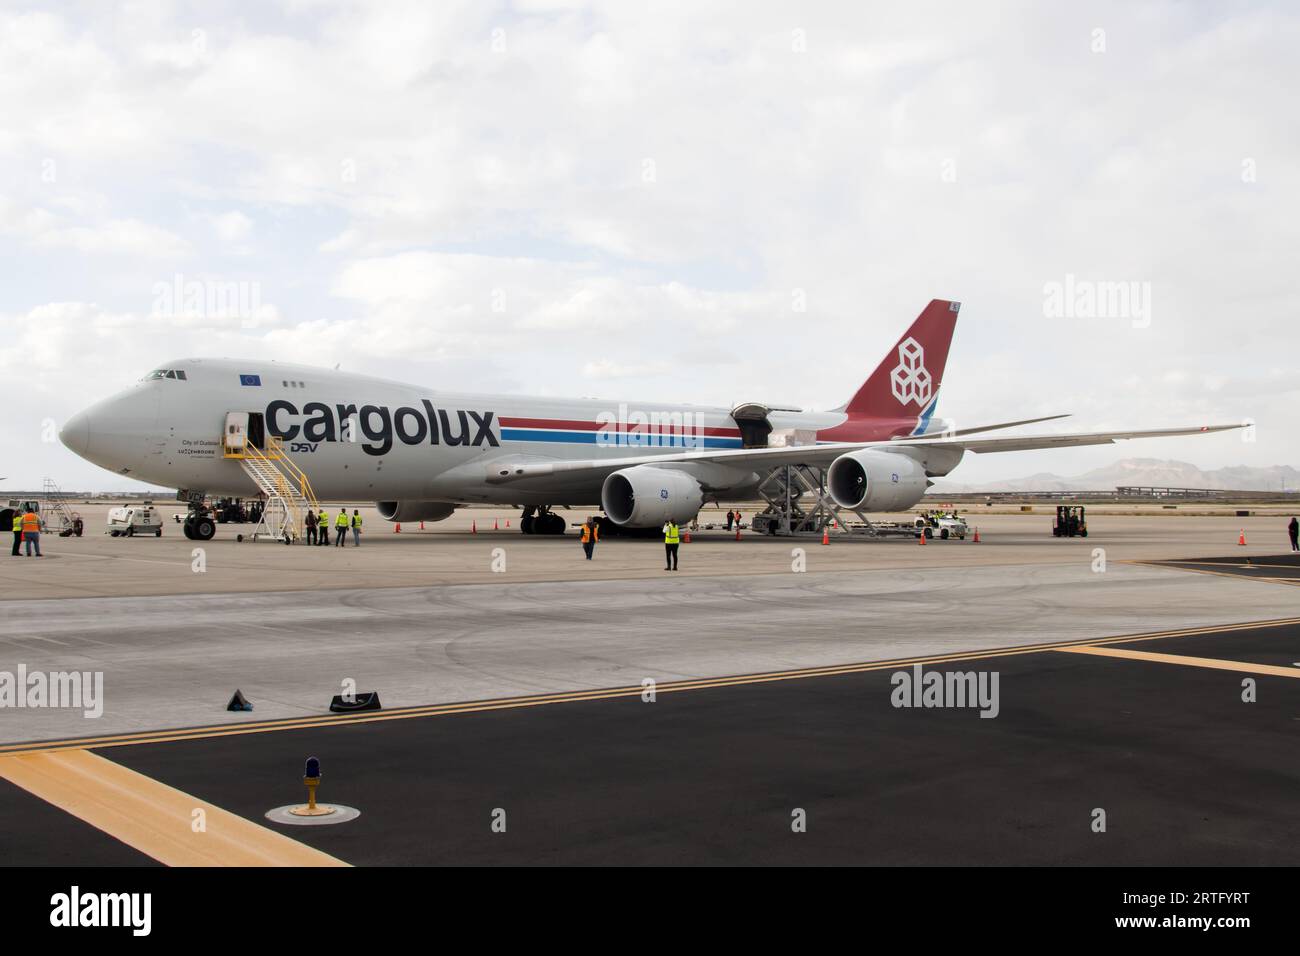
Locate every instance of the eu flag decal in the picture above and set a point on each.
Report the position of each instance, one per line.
(250, 380)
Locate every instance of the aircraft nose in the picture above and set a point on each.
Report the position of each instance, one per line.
(75, 433)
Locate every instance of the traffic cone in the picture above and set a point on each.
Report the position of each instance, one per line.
(495, 525)
(1242, 537)
(507, 522)
(737, 532)
(922, 536)
(473, 527)
(421, 525)
(397, 528)
(686, 537)
(826, 535)
(977, 535)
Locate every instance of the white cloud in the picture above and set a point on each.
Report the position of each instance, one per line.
(528, 197)
(232, 226)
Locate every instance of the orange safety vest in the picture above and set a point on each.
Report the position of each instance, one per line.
(31, 523)
(590, 534)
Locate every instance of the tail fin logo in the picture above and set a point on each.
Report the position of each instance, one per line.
(910, 380)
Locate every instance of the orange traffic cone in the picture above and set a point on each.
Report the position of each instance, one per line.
(495, 525)
(737, 532)
(826, 535)
(922, 536)
(977, 535)
(397, 528)
(507, 522)
(686, 537)
(473, 527)
(421, 525)
(1242, 538)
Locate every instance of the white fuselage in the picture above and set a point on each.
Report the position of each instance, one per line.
(360, 438)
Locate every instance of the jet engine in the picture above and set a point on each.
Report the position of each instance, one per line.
(873, 480)
(415, 510)
(645, 496)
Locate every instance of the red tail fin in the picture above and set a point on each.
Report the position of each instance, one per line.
(906, 384)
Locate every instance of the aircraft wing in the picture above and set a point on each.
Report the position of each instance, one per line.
(505, 471)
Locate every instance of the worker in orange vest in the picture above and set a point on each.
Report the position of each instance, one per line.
(32, 532)
(590, 535)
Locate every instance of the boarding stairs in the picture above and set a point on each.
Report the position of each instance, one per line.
(285, 486)
(54, 510)
(798, 502)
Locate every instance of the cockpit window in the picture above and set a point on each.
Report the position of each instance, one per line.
(164, 373)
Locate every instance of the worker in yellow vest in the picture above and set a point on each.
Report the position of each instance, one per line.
(356, 528)
(672, 539)
(341, 528)
(18, 532)
(32, 532)
(590, 535)
(323, 527)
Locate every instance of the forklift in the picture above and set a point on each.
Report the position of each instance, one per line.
(1069, 522)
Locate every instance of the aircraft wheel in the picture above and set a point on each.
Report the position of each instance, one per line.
(204, 529)
(526, 524)
(189, 530)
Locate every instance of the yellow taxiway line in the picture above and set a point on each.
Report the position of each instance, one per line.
(173, 827)
(507, 703)
(1245, 667)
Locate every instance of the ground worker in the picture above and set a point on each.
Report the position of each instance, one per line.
(672, 540)
(323, 527)
(356, 528)
(311, 526)
(1293, 529)
(730, 518)
(32, 532)
(341, 528)
(590, 535)
(18, 532)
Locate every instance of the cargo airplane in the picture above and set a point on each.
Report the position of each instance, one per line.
(419, 452)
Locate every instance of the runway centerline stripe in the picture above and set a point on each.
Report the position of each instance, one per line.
(204, 732)
(150, 816)
(1245, 667)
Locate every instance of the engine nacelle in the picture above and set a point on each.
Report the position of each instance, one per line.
(873, 480)
(415, 510)
(645, 496)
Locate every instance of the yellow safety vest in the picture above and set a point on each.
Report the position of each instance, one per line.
(671, 533)
(356, 521)
(18, 522)
(342, 520)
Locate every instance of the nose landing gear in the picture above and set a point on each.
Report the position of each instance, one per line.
(199, 524)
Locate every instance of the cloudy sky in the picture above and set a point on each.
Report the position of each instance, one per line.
(710, 202)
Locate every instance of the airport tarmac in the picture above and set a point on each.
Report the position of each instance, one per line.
(97, 565)
(465, 659)
(1134, 752)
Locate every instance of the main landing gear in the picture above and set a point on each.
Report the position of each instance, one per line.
(541, 520)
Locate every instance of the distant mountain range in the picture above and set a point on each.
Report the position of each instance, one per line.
(1143, 471)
